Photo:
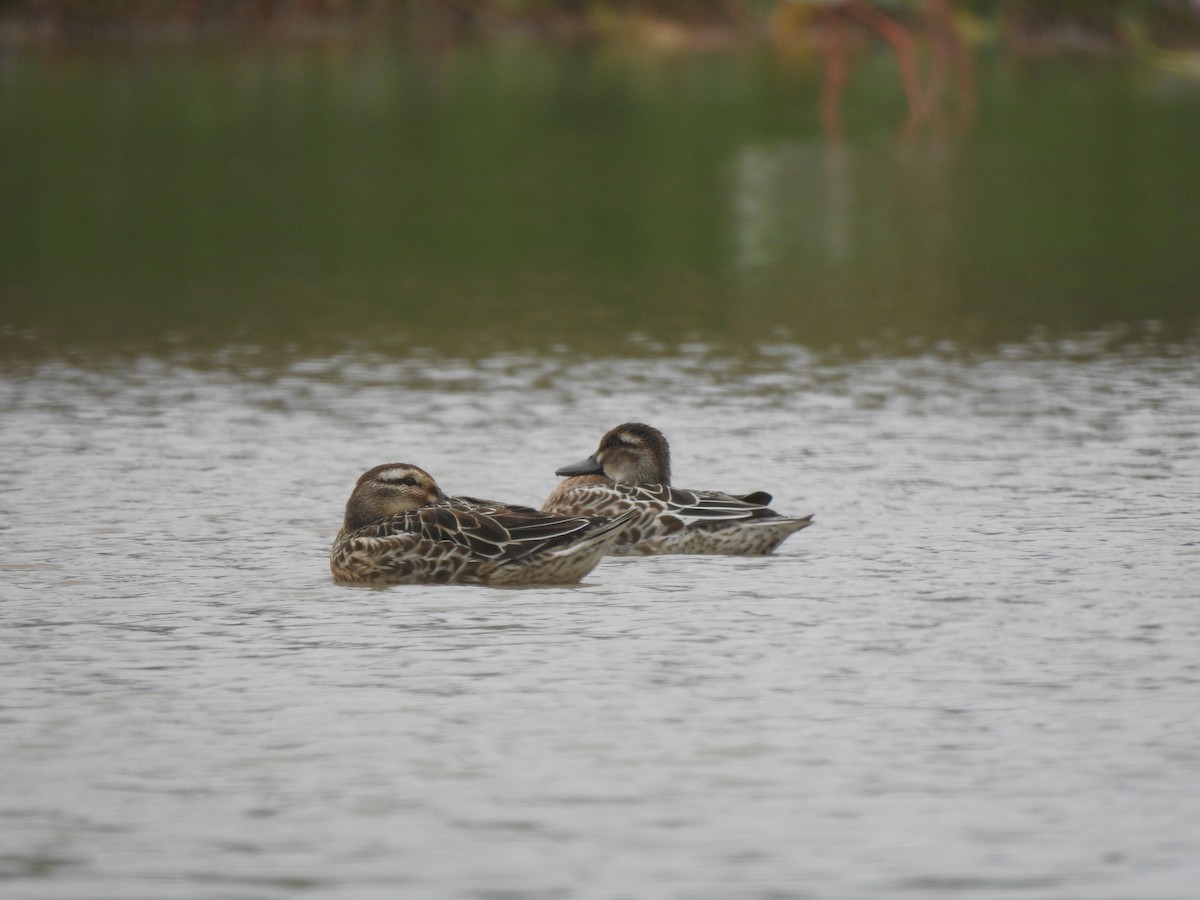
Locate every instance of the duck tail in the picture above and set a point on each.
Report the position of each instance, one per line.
(792, 524)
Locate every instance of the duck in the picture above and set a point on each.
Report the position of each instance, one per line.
(400, 527)
(631, 472)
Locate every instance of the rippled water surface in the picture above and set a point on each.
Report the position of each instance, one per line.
(230, 281)
(976, 676)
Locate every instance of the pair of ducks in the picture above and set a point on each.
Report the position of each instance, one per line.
(400, 528)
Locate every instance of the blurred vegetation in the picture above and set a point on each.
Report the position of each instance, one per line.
(1025, 26)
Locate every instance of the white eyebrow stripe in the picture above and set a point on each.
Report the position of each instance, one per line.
(395, 474)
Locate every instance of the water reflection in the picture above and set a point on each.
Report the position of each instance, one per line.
(933, 62)
(527, 199)
(793, 200)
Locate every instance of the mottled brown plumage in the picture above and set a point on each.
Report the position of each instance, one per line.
(399, 528)
(630, 473)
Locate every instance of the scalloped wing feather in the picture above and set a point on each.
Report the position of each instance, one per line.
(507, 533)
(395, 558)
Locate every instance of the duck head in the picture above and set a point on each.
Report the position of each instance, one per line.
(388, 490)
(632, 453)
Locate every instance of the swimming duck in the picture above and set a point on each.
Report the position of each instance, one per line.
(631, 471)
(401, 528)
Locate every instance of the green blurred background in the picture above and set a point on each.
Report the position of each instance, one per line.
(532, 175)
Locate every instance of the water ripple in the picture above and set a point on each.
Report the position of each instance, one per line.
(974, 676)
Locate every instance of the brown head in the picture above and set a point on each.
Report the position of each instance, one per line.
(629, 454)
(388, 490)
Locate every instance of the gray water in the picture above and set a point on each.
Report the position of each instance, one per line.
(976, 676)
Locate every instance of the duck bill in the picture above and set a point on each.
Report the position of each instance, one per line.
(587, 466)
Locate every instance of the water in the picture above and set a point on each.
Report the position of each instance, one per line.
(231, 283)
(975, 676)
(509, 199)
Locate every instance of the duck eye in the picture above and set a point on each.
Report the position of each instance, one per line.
(409, 480)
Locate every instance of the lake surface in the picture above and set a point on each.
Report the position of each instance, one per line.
(975, 676)
(231, 285)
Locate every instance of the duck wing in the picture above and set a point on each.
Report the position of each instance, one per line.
(758, 498)
(695, 507)
(497, 532)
